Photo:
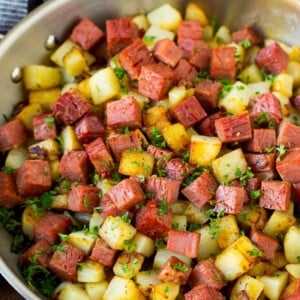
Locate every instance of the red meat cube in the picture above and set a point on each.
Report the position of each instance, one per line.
(275, 195)
(222, 64)
(108, 207)
(201, 190)
(41, 251)
(163, 188)
(230, 199)
(33, 177)
(188, 112)
(83, 198)
(89, 127)
(207, 125)
(44, 127)
(272, 59)
(206, 272)
(155, 80)
(133, 57)
(292, 290)
(70, 106)
(288, 135)
(153, 222)
(9, 196)
(177, 169)
(160, 153)
(120, 33)
(126, 194)
(86, 34)
(203, 292)
(247, 33)
(262, 139)
(296, 101)
(185, 72)
(167, 52)
(207, 92)
(64, 262)
(265, 243)
(124, 113)
(189, 30)
(100, 157)
(12, 135)
(102, 253)
(183, 242)
(74, 166)
(50, 225)
(175, 271)
(236, 128)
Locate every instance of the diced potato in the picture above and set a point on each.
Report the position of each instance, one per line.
(176, 95)
(122, 289)
(274, 285)
(222, 35)
(136, 163)
(262, 268)
(228, 231)
(204, 149)
(292, 249)
(96, 290)
(279, 261)
(54, 169)
(72, 291)
(260, 87)
(194, 12)
(294, 54)
(179, 207)
(146, 280)
(165, 17)
(225, 167)
(156, 116)
(105, 184)
(75, 63)
(249, 285)
(28, 112)
(60, 202)
(207, 33)
(82, 240)
(283, 84)
(90, 271)
(69, 139)
(250, 74)
(194, 214)
(29, 218)
(141, 21)
(96, 220)
(37, 77)
(115, 231)
(45, 97)
(176, 137)
(279, 223)
(84, 88)
(255, 218)
(128, 265)
(141, 99)
(163, 255)
(179, 222)
(238, 258)
(165, 291)
(154, 34)
(251, 54)
(15, 157)
(104, 85)
(239, 54)
(191, 131)
(208, 247)
(237, 100)
(294, 70)
(143, 244)
(293, 270)
(68, 86)
(49, 147)
(284, 103)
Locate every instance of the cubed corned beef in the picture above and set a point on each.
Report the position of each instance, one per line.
(74, 166)
(177, 169)
(64, 262)
(185, 72)
(201, 190)
(206, 272)
(89, 127)
(234, 128)
(124, 113)
(183, 242)
(102, 253)
(160, 153)
(203, 292)
(288, 135)
(296, 101)
(188, 112)
(247, 33)
(44, 127)
(108, 207)
(120, 33)
(70, 106)
(50, 225)
(272, 59)
(33, 177)
(292, 290)
(222, 65)
(9, 196)
(189, 29)
(155, 80)
(133, 57)
(12, 134)
(151, 222)
(262, 140)
(275, 195)
(207, 125)
(86, 34)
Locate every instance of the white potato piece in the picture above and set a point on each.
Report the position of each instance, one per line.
(96, 290)
(154, 34)
(163, 255)
(260, 87)
(145, 280)
(222, 35)
(251, 286)
(90, 271)
(96, 220)
(176, 95)
(194, 12)
(29, 218)
(293, 270)
(143, 244)
(195, 214)
(72, 291)
(82, 240)
(15, 157)
(60, 201)
(50, 147)
(69, 139)
(141, 21)
(179, 222)
(292, 248)
(250, 74)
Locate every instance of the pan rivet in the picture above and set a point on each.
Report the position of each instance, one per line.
(16, 75)
(50, 42)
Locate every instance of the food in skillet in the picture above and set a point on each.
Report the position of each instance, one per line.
(158, 160)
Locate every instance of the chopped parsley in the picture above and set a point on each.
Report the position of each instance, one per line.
(199, 75)
(227, 87)
(157, 138)
(50, 121)
(267, 77)
(41, 203)
(214, 217)
(125, 218)
(191, 177)
(8, 170)
(193, 226)
(253, 252)
(245, 44)
(179, 266)
(86, 202)
(163, 207)
(160, 243)
(149, 39)
(268, 149)
(281, 151)
(244, 177)
(59, 248)
(128, 246)
(255, 194)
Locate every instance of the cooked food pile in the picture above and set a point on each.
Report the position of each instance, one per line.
(157, 158)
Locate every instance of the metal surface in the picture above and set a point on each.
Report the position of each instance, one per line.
(25, 45)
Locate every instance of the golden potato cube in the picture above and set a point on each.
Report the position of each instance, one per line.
(15, 157)
(222, 36)
(283, 84)
(90, 271)
(284, 103)
(294, 70)
(37, 77)
(194, 12)
(84, 88)
(75, 63)
(29, 218)
(154, 34)
(49, 148)
(176, 95)
(146, 280)
(141, 21)
(54, 169)
(162, 255)
(72, 291)
(28, 112)
(104, 85)
(60, 201)
(136, 163)
(45, 97)
(96, 290)
(292, 249)
(82, 240)
(225, 167)
(176, 137)
(155, 115)
(228, 231)
(239, 55)
(250, 74)
(70, 141)
(142, 244)
(294, 54)
(165, 291)
(249, 285)
(204, 149)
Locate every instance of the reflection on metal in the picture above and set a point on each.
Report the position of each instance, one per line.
(50, 42)
(1, 37)
(16, 75)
